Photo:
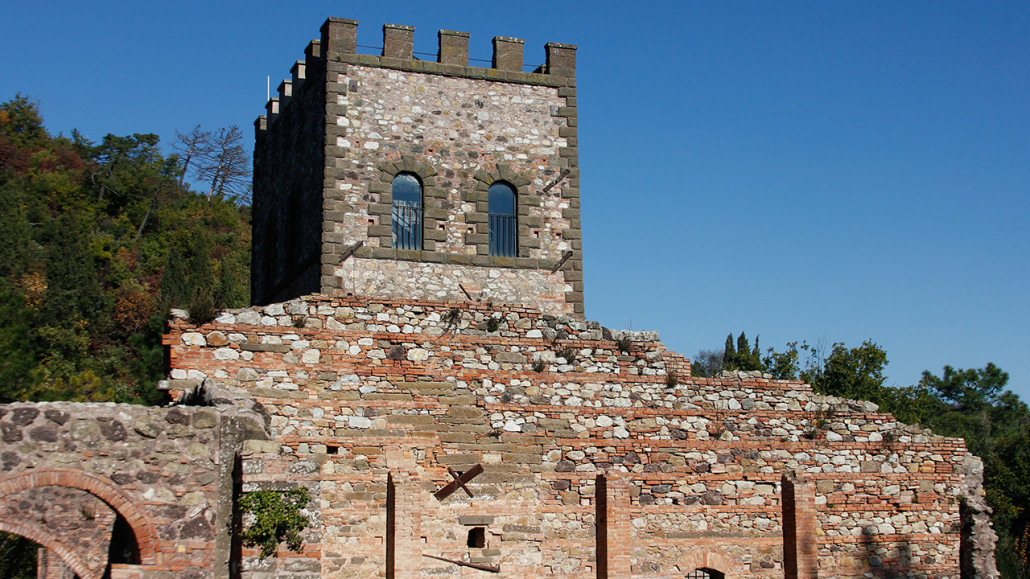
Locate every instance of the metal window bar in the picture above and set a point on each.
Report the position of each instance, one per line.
(503, 235)
(705, 573)
(407, 226)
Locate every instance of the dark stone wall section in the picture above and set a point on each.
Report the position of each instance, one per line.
(289, 156)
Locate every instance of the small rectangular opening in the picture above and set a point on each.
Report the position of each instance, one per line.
(477, 538)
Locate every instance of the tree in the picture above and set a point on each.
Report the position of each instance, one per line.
(122, 165)
(729, 354)
(92, 228)
(785, 365)
(970, 390)
(226, 165)
(174, 288)
(852, 372)
(234, 291)
(15, 236)
(193, 146)
(21, 123)
(975, 405)
(743, 356)
(706, 364)
(73, 292)
(17, 557)
(19, 356)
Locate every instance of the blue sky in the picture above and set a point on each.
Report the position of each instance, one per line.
(820, 171)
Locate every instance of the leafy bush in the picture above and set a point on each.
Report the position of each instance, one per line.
(276, 518)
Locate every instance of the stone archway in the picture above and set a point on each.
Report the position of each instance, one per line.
(50, 543)
(107, 492)
(708, 560)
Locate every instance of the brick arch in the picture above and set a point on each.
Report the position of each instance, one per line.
(112, 495)
(33, 533)
(708, 560)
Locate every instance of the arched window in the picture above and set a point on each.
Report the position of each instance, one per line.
(503, 220)
(407, 212)
(705, 574)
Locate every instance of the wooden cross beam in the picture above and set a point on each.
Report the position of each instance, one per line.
(490, 568)
(459, 482)
(564, 258)
(351, 251)
(564, 174)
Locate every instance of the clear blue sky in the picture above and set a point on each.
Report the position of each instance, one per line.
(829, 171)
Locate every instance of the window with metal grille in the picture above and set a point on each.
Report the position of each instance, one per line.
(705, 574)
(503, 224)
(407, 212)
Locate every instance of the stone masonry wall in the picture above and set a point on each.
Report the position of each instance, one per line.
(366, 394)
(458, 129)
(68, 470)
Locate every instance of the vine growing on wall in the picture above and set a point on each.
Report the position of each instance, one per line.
(277, 518)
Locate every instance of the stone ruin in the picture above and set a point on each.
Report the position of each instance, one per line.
(422, 365)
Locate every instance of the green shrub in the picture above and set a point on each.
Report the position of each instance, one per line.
(277, 518)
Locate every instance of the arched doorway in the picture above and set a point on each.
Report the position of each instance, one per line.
(84, 520)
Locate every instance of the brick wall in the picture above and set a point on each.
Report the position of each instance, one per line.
(358, 390)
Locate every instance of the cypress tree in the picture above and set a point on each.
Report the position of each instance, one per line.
(175, 290)
(203, 305)
(202, 275)
(729, 358)
(73, 290)
(232, 291)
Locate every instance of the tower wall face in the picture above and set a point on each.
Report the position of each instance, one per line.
(458, 129)
(460, 135)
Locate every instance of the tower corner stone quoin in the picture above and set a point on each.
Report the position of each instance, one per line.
(419, 359)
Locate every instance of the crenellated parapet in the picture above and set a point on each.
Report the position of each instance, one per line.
(339, 35)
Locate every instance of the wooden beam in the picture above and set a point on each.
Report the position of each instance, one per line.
(490, 568)
(391, 527)
(351, 251)
(564, 258)
(459, 482)
(563, 175)
(601, 520)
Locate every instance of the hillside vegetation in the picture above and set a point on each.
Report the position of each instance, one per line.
(99, 240)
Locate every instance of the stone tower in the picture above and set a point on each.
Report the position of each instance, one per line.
(394, 177)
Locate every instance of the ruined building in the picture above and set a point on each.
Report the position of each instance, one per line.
(420, 361)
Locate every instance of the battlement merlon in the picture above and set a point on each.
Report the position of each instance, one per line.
(339, 38)
(339, 43)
